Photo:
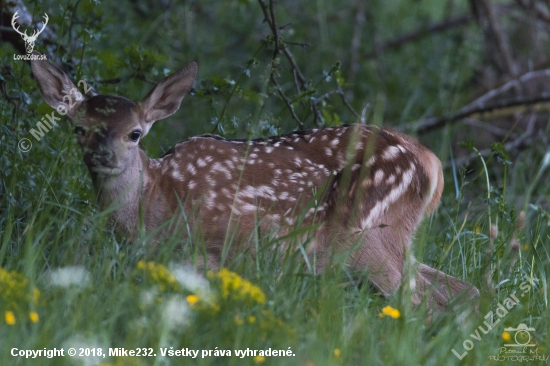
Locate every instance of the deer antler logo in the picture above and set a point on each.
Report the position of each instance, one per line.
(29, 40)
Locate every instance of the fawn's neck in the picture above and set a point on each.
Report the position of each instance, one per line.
(123, 192)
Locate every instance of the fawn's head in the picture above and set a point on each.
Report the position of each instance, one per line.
(109, 127)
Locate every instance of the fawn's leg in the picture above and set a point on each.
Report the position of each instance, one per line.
(442, 288)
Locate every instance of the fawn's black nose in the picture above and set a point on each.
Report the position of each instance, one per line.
(102, 157)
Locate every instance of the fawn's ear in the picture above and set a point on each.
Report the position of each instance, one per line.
(165, 99)
(56, 87)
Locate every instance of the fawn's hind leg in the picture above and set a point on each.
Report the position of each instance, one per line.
(442, 288)
(374, 251)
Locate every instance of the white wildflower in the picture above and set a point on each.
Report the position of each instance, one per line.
(78, 342)
(147, 297)
(68, 276)
(176, 312)
(188, 277)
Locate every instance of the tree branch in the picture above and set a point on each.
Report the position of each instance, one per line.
(510, 84)
(434, 123)
(536, 7)
(419, 34)
(287, 102)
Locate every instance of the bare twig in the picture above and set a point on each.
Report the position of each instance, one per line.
(296, 68)
(347, 104)
(434, 123)
(485, 13)
(419, 34)
(300, 81)
(287, 102)
(479, 106)
(340, 92)
(327, 95)
(316, 115)
(269, 16)
(274, 29)
(500, 37)
(301, 44)
(510, 84)
(537, 8)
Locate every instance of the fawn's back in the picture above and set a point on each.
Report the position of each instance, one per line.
(277, 178)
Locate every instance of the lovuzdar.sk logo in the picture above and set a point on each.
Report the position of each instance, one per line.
(29, 40)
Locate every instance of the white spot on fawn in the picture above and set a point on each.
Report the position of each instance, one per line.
(177, 175)
(248, 207)
(217, 167)
(391, 153)
(378, 176)
(211, 201)
(370, 162)
(230, 164)
(191, 169)
(393, 196)
(201, 162)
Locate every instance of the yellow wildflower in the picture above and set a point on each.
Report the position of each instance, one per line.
(192, 299)
(478, 229)
(33, 316)
(251, 319)
(35, 295)
(337, 352)
(10, 318)
(389, 311)
(234, 286)
(15, 290)
(506, 336)
(157, 274)
(259, 359)
(238, 320)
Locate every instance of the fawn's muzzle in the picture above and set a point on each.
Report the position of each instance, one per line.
(100, 158)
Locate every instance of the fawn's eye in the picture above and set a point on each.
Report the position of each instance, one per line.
(134, 135)
(79, 131)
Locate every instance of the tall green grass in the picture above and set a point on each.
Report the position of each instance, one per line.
(326, 319)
